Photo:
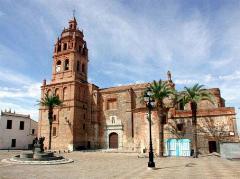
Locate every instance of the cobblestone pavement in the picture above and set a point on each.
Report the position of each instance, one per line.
(122, 165)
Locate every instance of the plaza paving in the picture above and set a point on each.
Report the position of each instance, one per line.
(122, 165)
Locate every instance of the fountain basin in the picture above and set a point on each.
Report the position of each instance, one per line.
(39, 156)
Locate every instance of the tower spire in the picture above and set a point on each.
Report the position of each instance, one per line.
(74, 11)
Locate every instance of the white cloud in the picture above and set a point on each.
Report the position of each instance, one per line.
(220, 63)
(230, 77)
(14, 77)
(184, 81)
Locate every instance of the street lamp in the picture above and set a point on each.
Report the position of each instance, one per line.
(150, 104)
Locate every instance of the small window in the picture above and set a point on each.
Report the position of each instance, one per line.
(49, 92)
(83, 68)
(65, 46)
(113, 120)
(33, 131)
(78, 66)
(9, 124)
(21, 127)
(13, 143)
(84, 116)
(58, 66)
(54, 131)
(59, 48)
(180, 127)
(57, 92)
(84, 126)
(66, 64)
(65, 93)
(54, 117)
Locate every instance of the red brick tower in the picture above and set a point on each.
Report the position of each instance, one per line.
(71, 126)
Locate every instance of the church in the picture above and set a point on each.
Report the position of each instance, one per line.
(115, 118)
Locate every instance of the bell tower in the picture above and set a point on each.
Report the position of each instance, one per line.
(73, 121)
(70, 57)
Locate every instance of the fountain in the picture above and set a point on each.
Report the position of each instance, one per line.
(38, 156)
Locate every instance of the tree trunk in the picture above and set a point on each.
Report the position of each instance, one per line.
(161, 136)
(161, 131)
(50, 118)
(194, 122)
(50, 136)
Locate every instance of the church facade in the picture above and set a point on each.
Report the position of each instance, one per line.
(115, 117)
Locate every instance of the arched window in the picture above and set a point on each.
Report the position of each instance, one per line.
(83, 68)
(58, 66)
(54, 117)
(65, 95)
(66, 64)
(57, 92)
(65, 46)
(49, 92)
(59, 48)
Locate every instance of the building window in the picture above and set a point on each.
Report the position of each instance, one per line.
(83, 68)
(54, 117)
(58, 66)
(59, 48)
(49, 92)
(66, 64)
(13, 143)
(84, 126)
(180, 127)
(84, 116)
(65, 93)
(54, 131)
(65, 46)
(57, 92)
(113, 118)
(112, 104)
(21, 127)
(78, 66)
(9, 124)
(33, 131)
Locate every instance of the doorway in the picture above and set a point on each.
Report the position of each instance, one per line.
(212, 146)
(113, 140)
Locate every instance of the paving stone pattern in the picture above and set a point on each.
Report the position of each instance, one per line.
(122, 165)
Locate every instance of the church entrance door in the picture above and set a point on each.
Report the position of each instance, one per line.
(113, 140)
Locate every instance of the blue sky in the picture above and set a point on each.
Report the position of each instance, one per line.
(129, 42)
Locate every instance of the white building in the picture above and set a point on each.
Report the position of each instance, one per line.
(17, 131)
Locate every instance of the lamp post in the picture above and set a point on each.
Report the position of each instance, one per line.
(150, 104)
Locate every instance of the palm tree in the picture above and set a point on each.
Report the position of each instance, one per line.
(50, 101)
(161, 91)
(193, 95)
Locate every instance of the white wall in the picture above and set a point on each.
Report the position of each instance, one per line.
(23, 137)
